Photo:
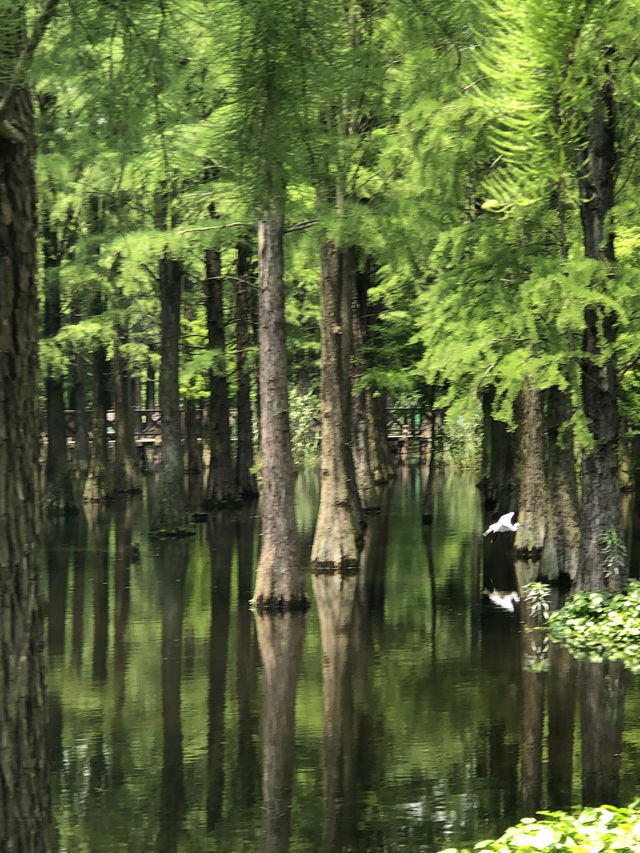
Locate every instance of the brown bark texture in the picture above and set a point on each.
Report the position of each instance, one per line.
(170, 507)
(280, 582)
(245, 476)
(601, 498)
(338, 533)
(24, 798)
(221, 485)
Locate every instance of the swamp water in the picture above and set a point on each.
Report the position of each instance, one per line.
(404, 712)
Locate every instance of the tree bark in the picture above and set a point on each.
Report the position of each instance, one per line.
(601, 499)
(127, 476)
(280, 581)
(245, 475)
(221, 484)
(367, 488)
(338, 535)
(563, 486)
(24, 797)
(170, 507)
(192, 419)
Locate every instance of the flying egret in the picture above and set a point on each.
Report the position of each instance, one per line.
(506, 600)
(504, 524)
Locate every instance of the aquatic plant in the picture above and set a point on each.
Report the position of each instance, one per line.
(591, 831)
(597, 625)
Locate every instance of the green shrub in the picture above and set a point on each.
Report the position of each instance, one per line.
(594, 830)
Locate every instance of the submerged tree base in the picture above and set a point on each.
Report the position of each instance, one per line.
(279, 604)
(174, 533)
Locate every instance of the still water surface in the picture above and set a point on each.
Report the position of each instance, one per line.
(405, 712)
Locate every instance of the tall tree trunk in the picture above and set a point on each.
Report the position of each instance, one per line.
(127, 476)
(338, 534)
(245, 476)
(563, 487)
(367, 487)
(221, 484)
(380, 456)
(500, 478)
(58, 494)
(280, 582)
(170, 506)
(99, 483)
(25, 815)
(601, 499)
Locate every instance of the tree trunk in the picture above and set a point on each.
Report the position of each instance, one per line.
(99, 483)
(338, 534)
(24, 802)
(127, 477)
(367, 487)
(82, 449)
(500, 478)
(563, 487)
(601, 499)
(245, 476)
(221, 484)
(58, 494)
(280, 581)
(170, 507)
(532, 540)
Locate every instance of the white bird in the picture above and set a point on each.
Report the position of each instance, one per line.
(503, 525)
(506, 600)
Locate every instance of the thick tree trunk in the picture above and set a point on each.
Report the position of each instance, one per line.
(338, 534)
(24, 798)
(58, 494)
(280, 581)
(245, 475)
(99, 483)
(601, 499)
(170, 507)
(500, 478)
(127, 476)
(563, 487)
(221, 484)
(532, 540)
(367, 488)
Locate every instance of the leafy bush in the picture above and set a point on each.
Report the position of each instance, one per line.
(597, 625)
(304, 416)
(462, 440)
(592, 831)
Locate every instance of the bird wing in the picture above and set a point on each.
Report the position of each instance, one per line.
(505, 519)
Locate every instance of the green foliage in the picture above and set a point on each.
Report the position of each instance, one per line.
(462, 439)
(598, 625)
(591, 831)
(536, 595)
(614, 553)
(304, 417)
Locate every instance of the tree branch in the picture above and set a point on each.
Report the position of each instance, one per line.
(24, 60)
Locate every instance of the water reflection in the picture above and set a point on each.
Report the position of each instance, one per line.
(404, 711)
(280, 639)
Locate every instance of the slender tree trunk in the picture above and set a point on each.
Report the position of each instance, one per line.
(25, 815)
(601, 499)
(245, 476)
(381, 459)
(127, 476)
(82, 449)
(221, 484)
(367, 487)
(170, 507)
(338, 534)
(99, 483)
(280, 581)
(58, 494)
